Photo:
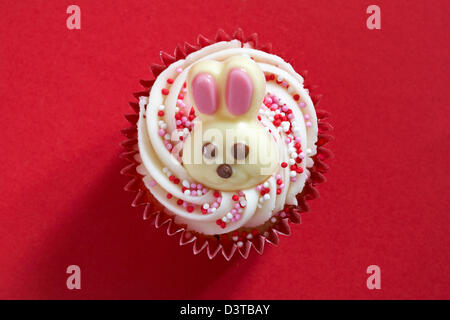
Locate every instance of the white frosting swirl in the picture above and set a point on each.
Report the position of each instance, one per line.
(161, 166)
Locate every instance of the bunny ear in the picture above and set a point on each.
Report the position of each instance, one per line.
(239, 91)
(205, 93)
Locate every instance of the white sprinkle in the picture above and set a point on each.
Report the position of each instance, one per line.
(167, 136)
(308, 151)
(235, 238)
(240, 244)
(273, 219)
(161, 107)
(266, 184)
(225, 219)
(293, 173)
(249, 236)
(280, 78)
(266, 196)
(291, 161)
(187, 192)
(186, 184)
(165, 170)
(243, 203)
(213, 209)
(294, 155)
(206, 206)
(229, 215)
(261, 199)
(290, 89)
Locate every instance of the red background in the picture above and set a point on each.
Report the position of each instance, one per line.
(64, 94)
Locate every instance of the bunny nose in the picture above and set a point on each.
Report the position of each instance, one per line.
(224, 171)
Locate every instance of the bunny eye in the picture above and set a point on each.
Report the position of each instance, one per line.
(240, 151)
(209, 150)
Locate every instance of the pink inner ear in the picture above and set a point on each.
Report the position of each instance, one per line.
(239, 92)
(205, 93)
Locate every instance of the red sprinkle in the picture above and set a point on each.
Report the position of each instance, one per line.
(170, 81)
(160, 113)
(235, 197)
(296, 97)
(165, 91)
(169, 196)
(190, 208)
(216, 194)
(283, 164)
(179, 202)
(176, 181)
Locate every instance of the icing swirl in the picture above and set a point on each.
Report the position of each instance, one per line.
(167, 118)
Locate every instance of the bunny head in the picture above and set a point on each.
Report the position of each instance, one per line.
(228, 148)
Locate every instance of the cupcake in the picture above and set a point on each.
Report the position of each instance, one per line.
(225, 145)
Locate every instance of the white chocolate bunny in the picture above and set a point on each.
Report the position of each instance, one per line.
(228, 149)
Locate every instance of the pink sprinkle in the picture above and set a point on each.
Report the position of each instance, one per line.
(308, 124)
(293, 179)
(259, 187)
(204, 190)
(169, 146)
(297, 139)
(219, 199)
(283, 214)
(152, 183)
(238, 216)
(287, 140)
(178, 122)
(284, 84)
(306, 116)
(302, 104)
(234, 211)
(237, 206)
(233, 219)
(290, 116)
(193, 185)
(281, 186)
(193, 193)
(185, 204)
(215, 205)
(199, 186)
(284, 109)
(209, 210)
(179, 70)
(278, 176)
(161, 132)
(276, 99)
(268, 100)
(274, 106)
(301, 155)
(241, 193)
(184, 90)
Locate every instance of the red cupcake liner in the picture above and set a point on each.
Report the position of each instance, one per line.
(155, 213)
